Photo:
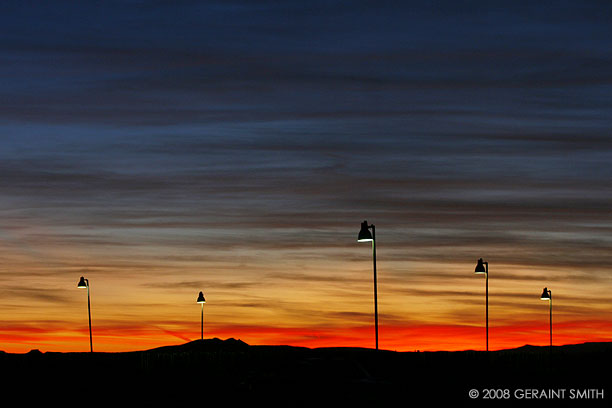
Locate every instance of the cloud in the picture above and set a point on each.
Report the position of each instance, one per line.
(34, 295)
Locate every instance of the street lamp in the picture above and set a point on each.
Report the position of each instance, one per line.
(201, 301)
(84, 283)
(483, 267)
(547, 295)
(366, 236)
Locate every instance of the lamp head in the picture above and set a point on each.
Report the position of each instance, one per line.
(480, 267)
(201, 298)
(83, 283)
(546, 295)
(364, 233)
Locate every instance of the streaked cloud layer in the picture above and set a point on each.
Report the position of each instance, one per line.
(163, 148)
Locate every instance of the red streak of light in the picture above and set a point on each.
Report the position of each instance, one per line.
(392, 337)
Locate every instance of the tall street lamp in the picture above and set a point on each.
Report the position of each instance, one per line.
(483, 267)
(547, 295)
(201, 301)
(366, 236)
(84, 283)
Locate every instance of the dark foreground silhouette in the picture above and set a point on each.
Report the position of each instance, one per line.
(233, 373)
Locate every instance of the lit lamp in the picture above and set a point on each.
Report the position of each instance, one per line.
(201, 301)
(547, 295)
(84, 284)
(483, 267)
(366, 236)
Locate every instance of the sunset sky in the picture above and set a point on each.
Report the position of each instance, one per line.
(162, 148)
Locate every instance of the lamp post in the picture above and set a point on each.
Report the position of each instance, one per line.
(366, 236)
(547, 295)
(84, 283)
(483, 267)
(201, 301)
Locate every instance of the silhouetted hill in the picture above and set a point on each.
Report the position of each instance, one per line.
(231, 372)
(582, 347)
(205, 345)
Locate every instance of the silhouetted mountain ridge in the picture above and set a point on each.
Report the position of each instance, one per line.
(214, 344)
(233, 372)
(237, 344)
(231, 344)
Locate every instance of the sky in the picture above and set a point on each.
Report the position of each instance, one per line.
(162, 148)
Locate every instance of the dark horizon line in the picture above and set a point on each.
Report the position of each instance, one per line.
(239, 344)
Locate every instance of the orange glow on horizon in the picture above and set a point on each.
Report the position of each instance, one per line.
(142, 298)
(397, 338)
